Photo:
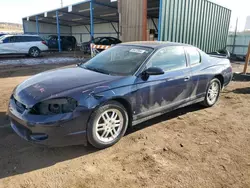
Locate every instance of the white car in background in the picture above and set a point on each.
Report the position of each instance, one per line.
(31, 45)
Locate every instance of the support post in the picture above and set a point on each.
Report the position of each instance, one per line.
(58, 32)
(235, 34)
(118, 33)
(145, 20)
(37, 25)
(159, 21)
(91, 21)
(87, 29)
(154, 24)
(247, 59)
(24, 27)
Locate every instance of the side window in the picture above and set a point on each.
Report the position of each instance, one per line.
(35, 39)
(169, 58)
(12, 39)
(25, 39)
(20, 39)
(194, 56)
(104, 41)
(53, 38)
(6, 40)
(31, 39)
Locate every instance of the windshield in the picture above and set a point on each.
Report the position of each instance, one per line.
(2, 37)
(119, 60)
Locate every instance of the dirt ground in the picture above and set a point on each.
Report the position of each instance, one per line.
(190, 147)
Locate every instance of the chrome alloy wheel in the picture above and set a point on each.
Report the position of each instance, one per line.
(109, 125)
(213, 92)
(34, 52)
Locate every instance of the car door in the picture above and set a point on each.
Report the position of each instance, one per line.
(7, 45)
(198, 78)
(168, 91)
(20, 44)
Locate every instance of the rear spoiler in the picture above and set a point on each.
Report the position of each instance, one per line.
(220, 54)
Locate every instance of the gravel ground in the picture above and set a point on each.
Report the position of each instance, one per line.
(190, 147)
(21, 60)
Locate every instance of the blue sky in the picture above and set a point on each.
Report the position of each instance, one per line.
(14, 10)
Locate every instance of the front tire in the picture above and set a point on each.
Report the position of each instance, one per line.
(34, 52)
(107, 125)
(213, 93)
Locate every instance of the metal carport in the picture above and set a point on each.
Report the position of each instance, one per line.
(196, 22)
(85, 14)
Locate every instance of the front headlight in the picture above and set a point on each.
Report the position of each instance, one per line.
(55, 106)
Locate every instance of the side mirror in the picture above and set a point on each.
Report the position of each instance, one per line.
(153, 71)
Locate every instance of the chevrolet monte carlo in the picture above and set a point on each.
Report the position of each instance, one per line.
(97, 101)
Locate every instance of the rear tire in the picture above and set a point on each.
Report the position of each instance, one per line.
(34, 52)
(107, 125)
(213, 93)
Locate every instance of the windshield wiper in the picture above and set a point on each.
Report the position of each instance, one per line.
(96, 70)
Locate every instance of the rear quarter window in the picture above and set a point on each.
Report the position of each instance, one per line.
(35, 39)
(193, 56)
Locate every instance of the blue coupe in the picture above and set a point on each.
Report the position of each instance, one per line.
(123, 86)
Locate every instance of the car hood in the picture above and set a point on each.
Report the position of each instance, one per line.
(48, 84)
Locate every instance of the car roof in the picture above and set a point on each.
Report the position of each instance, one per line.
(7, 35)
(154, 44)
(105, 37)
(28, 35)
(22, 35)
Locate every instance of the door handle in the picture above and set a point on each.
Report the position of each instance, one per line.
(187, 78)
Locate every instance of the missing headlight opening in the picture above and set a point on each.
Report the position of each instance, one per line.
(55, 106)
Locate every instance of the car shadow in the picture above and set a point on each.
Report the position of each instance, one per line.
(165, 117)
(5, 57)
(242, 90)
(18, 156)
(240, 77)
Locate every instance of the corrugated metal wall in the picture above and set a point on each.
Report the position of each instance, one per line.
(241, 43)
(30, 27)
(197, 22)
(82, 35)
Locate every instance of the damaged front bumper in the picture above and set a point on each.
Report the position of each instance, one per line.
(50, 130)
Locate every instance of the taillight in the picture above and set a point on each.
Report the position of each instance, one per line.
(44, 42)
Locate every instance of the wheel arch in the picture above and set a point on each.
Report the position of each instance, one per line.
(127, 106)
(125, 103)
(35, 47)
(220, 78)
